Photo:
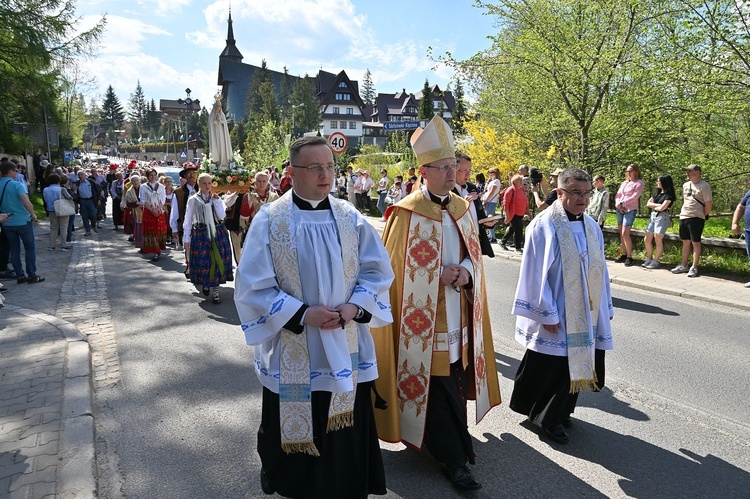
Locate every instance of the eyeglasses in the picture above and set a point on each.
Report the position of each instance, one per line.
(580, 195)
(317, 169)
(444, 168)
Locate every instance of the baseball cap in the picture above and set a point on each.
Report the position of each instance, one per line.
(557, 172)
(693, 168)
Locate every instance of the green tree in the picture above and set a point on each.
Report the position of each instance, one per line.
(459, 110)
(368, 89)
(38, 38)
(264, 147)
(76, 81)
(137, 112)
(112, 115)
(398, 142)
(426, 108)
(306, 112)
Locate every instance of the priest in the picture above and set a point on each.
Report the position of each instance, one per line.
(308, 288)
(438, 352)
(563, 306)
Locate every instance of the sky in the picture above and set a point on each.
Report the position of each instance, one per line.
(171, 45)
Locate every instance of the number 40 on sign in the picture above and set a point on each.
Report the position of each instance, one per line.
(338, 142)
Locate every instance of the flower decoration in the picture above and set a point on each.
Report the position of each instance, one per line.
(238, 173)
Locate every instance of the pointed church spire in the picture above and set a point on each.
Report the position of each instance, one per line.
(231, 51)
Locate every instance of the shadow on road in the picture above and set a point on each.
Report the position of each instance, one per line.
(641, 307)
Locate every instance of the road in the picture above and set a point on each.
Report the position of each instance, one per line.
(673, 421)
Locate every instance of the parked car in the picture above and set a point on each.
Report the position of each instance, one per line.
(170, 171)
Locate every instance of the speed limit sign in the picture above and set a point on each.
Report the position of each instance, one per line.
(338, 142)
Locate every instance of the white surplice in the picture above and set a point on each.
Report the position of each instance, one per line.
(264, 308)
(540, 296)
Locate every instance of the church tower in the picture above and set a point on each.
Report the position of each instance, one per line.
(231, 51)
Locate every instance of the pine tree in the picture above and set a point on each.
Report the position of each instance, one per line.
(111, 114)
(137, 111)
(307, 112)
(459, 110)
(368, 89)
(426, 111)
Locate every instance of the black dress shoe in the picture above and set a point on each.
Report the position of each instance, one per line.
(557, 433)
(461, 478)
(566, 422)
(265, 483)
(21, 280)
(205, 291)
(35, 279)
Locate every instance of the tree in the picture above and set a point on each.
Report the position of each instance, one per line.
(111, 115)
(426, 107)
(262, 102)
(38, 38)
(459, 110)
(398, 142)
(137, 112)
(264, 147)
(368, 89)
(306, 113)
(285, 93)
(76, 81)
(553, 67)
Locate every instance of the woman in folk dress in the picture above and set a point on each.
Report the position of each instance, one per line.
(153, 197)
(206, 240)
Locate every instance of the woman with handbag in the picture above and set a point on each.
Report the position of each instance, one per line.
(59, 205)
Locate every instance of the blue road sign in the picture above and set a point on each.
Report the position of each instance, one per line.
(67, 156)
(390, 126)
(183, 155)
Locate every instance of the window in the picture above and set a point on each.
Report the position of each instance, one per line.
(336, 110)
(352, 125)
(342, 85)
(343, 96)
(334, 124)
(349, 110)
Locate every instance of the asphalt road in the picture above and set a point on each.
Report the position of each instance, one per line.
(672, 422)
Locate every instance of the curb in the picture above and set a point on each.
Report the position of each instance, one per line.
(77, 456)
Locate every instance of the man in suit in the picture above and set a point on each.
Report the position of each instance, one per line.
(469, 192)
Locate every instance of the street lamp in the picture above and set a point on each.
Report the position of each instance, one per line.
(301, 104)
(189, 110)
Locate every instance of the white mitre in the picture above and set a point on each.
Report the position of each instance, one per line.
(433, 142)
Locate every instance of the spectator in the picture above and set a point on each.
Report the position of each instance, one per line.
(58, 225)
(626, 203)
(696, 205)
(660, 203)
(382, 193)
(14, 201)
(551, 197)
(516, 207)
(599, 203)
(367, 185)
(89, 196)
(490, 198)
(738, 212)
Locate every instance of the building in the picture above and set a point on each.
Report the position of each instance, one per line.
(402, 106)
(340, 105)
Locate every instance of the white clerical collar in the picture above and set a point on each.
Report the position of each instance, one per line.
(427, 193)
(314, 204)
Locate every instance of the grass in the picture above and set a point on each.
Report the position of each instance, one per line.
(726, 264)
(716, 226)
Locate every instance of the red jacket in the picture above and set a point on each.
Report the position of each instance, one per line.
(515, 202)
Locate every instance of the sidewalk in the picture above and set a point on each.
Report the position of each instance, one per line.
(46, 419)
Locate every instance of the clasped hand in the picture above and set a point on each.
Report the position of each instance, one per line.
(330, 318)
(454, 275)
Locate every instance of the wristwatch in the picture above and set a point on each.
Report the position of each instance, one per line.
(360, 312)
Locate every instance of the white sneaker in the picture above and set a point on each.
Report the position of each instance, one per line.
(747, 284)
(680, 269)
(646, 263)
(653, 265)
(693, 272)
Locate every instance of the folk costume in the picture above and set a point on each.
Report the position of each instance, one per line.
(179, 202)
(210, 257)
(232, 222)
(132, 198)
(250, 207)
(168, 194)
(438, 352)
(317, 436)
(153, 198)
(563, 280)
(117, 191)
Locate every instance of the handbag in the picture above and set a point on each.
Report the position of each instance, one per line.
(64, 207)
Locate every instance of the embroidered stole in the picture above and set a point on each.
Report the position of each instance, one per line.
(419, 315)
(580, 342)
(294, 371)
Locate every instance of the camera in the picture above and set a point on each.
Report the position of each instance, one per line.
(535, 175)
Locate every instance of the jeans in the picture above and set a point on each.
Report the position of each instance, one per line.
(71, 224)
(747, 244)
(4, 251)
(490, 209)
(381, 202)
(17, 235)
(88, 213)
